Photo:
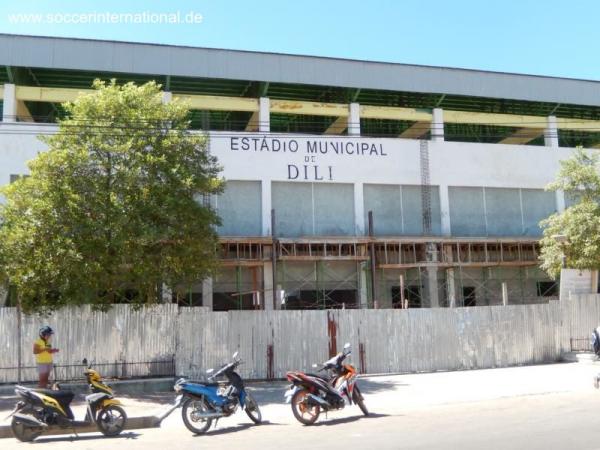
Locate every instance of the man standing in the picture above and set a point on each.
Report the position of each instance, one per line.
(42, 349)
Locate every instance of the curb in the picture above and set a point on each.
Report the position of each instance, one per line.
(133, 423)
(580, 357)
(122, 387)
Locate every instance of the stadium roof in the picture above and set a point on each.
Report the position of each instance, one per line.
(204, 63)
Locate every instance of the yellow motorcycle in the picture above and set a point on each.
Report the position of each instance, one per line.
(41, 410)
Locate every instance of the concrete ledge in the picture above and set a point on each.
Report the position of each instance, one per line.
(580, 357)
(121, 387)
(133, 423)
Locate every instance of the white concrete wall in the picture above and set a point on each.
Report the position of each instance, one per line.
(385, 160)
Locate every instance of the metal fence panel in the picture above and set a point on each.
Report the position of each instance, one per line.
(127, 342)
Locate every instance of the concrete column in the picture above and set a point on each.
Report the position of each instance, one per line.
(207, 293)
(445, 210)
(3, 295)
(167, 96)
(431, 287)
(9, 105)
(266, 207)
(166, 294)
(451, 288)
(364, 291)
(264, 115)
(551, 140)
(551, 133)
(359, 209)
(354, 120)
(437, 125)
(268, 286)
(504, 293)
(560, 201)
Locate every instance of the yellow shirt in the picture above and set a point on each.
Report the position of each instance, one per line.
(44, 357)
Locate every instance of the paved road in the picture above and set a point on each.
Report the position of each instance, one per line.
(543, 407)
(553, 421)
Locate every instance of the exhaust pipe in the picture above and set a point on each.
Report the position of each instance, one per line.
(319, 401)
(30, 420)
(209, 415)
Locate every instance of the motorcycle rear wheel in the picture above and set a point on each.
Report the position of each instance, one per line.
(303, 412)
(23, 432)
(189, 410)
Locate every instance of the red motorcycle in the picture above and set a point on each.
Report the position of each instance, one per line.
(311, 393)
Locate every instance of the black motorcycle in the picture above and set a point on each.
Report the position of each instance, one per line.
(311, 393)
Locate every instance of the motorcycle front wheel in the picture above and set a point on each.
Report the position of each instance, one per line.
(23, 432)
(111, 420)
(359, 400)
(304, 412)
(253, 410)
(191, 411)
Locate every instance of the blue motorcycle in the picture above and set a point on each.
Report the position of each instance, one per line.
(201, 403)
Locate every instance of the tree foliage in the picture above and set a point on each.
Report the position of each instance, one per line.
(578, 177)
(113, 206)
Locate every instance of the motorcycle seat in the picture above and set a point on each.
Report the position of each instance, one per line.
(314, 375)
(63, 397)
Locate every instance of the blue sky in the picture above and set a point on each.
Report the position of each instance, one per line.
(551, 37)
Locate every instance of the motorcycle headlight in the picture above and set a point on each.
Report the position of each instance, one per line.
(177, 388)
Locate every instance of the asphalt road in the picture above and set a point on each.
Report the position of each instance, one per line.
(550, 421)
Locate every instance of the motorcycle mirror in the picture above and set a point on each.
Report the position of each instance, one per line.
(210, 370)
(235, 355)
(315, 365)
(84, 362)
(347, 348)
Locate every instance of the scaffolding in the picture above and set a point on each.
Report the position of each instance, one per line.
(316, 273)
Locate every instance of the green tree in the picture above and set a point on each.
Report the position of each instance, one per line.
(114, 206)
(578, 177)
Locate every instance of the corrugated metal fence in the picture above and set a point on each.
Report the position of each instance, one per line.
(273, 342)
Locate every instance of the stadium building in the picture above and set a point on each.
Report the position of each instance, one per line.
(351, 184)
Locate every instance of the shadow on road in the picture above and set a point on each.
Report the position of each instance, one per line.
(238, 427)
(351, 419)
(268, 393)
(88, 437)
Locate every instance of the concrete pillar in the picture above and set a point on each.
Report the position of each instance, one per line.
(363, 285)
(354, 120)
(359, 209)
(3, 295)
(266, 207)
(445, 210)
(551, 133)
(504, 293)
(9, 105)
(167, 96)
(268, 286)
(551, 140)
(437, 125)
(264, 115)
(166, 294)
(431, 287)
(560, 201)
(207, 293)
(450, 288)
